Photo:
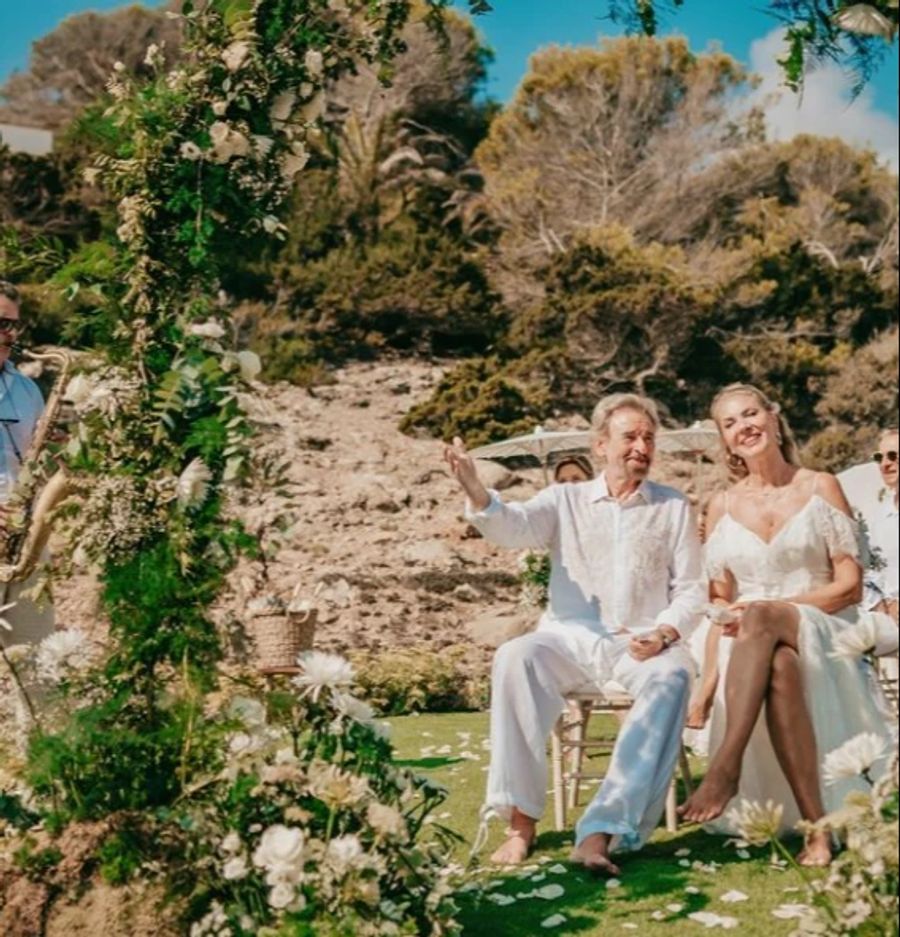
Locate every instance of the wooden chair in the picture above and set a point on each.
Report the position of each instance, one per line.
(889, 682)
(570, 741)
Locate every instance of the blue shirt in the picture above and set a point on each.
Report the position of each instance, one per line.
(21, 405)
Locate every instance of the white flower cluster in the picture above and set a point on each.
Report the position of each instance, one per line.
(64, 654)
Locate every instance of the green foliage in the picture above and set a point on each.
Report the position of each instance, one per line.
(120, 856)
(480, 400)
(35, 863)
(400, 682)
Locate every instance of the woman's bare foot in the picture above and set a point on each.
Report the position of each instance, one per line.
(817, 851)
(711, 797)
(593, 853)
(698, 712)
(520, 838)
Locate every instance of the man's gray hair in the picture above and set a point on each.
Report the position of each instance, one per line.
(10, 291)
(607, 406)
(888, 431)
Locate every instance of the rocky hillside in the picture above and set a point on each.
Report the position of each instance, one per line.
(379, 543)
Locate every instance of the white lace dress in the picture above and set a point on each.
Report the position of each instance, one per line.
(843, 696)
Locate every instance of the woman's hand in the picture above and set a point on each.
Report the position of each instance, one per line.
(732, 627)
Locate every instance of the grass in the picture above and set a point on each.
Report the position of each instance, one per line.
(660, 886)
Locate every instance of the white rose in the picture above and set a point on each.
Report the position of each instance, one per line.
(235, 868)
(281, 895)
(280, 848)
(232, 843)
(234, 55)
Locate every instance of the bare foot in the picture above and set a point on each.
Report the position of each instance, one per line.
(519, 839)
(514, 851)
(698, 712)
(816, 853)
(593, 853)
(710, 799)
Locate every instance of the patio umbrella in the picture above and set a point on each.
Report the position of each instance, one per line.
(539, 444)
(698, 440)
(863, 487)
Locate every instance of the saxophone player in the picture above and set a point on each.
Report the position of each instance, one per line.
(21, 405)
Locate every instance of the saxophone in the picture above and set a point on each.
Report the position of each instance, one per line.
(23, 546)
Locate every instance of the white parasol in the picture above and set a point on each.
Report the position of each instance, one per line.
(698, 440)
(539, 443)
(864, 488)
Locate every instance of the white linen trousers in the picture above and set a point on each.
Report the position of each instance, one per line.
(530, 676)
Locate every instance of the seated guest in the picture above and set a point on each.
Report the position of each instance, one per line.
(572, 468)
(625, 592)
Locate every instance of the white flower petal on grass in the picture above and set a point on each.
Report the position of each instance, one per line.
(692, 890)
(323, 671)
(555, 920)
(658, 915)
(501, 899)
(629, 926)
(854, 758)
(613, 883)
(684, 863)
(709, 919)
(193, 484)
(550, 892)
(558, 869)
(734, 896)
(788, 912)
(674, 908)
(743, 854)
(853, 643)
(680, 853)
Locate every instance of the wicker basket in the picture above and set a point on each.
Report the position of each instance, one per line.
(281, 636)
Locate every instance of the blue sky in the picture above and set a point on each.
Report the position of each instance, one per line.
(517, 27)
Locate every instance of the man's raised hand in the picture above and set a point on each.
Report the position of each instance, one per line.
(462, 465)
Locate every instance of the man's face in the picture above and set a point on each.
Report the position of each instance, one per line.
(888, 464)
(629, 444)
(9, 329)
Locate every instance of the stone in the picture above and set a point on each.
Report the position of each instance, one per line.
(429, 553)
(494, 475)
(500, 623)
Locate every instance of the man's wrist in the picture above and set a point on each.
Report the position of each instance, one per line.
(668, 635)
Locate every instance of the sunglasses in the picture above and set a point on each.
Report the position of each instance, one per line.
(9, 325)
(879, 457)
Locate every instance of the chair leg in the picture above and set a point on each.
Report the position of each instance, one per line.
(556, 760)
(578, 734)
(671, 804)
(685, 766)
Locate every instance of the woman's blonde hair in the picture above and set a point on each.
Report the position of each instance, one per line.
(790, 452)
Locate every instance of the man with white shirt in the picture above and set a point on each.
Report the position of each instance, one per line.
(626, 590)
(884, 533)
(21, 405)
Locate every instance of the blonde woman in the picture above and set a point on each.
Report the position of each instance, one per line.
(783, 559)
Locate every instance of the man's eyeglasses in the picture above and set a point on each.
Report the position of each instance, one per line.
(9, 325)
(880, 457)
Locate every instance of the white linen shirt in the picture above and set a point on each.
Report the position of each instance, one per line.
(884, 537)
(21, 405)
(634, 564)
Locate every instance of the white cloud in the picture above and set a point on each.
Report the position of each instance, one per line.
(825, 107)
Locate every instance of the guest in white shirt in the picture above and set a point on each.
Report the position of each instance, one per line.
(884, 533)
(21, 405)
(625, 591)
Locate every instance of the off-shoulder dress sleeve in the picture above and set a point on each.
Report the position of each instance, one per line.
(840, 532)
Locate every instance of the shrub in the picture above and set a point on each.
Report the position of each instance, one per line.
(417, 680)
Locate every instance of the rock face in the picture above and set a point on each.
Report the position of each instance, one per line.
(379, 542)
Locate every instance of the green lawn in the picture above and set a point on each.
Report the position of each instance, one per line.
(672, 877)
